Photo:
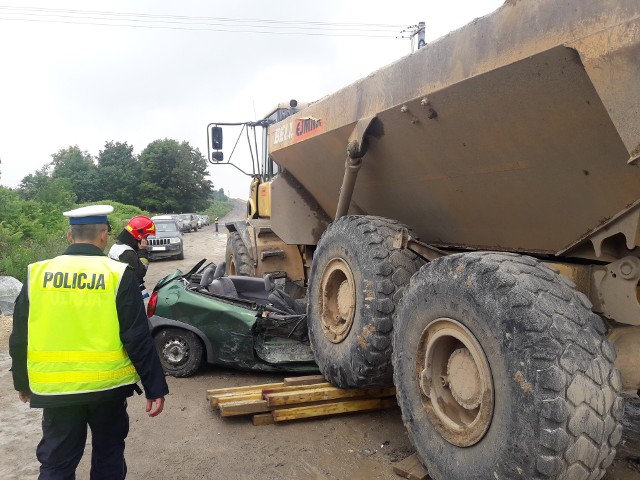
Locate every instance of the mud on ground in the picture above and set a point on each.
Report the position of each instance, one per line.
(189, 441)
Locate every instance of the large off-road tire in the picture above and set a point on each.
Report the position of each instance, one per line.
(237, 257)
(502, 371)
(180, 351)
(357, 279)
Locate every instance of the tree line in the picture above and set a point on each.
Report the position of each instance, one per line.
(167, 177)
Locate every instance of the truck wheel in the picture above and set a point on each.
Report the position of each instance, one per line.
(237, 257)
(356, 281)
(503, 371)
(180, 351)
(180, 256)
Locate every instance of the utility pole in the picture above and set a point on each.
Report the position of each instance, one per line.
(413, 31)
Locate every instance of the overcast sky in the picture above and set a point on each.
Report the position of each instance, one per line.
(68, 79)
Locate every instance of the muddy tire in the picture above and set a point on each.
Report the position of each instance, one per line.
(180, 351)
(503, 371)
(237, 257)
(356, 282)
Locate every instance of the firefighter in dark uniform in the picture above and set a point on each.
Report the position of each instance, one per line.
(131, 247)
(79, 344)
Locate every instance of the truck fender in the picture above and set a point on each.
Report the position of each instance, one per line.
(156, 323)
(241, 228)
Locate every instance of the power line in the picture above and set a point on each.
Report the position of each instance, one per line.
(166, 27)
(143, 20)
(172, 22)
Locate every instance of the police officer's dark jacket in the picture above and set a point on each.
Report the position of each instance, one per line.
(134, 334)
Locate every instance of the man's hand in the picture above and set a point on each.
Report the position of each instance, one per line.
(24, 396)
(153, 410)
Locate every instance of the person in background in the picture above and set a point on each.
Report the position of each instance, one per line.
(131, 247)
(79, 345)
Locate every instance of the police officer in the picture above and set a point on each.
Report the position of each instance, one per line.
(79, 344)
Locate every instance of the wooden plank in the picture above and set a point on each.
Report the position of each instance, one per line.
(294, 388)
(323, 393)
(304, 380)
(247, 407)
(263, 419)
(246, 388)
(411, 468)
(215, 401)
(333, 408)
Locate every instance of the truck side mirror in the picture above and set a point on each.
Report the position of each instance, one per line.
(216, 138)
(217, 156)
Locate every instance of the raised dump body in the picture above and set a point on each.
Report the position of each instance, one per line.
(518, 132)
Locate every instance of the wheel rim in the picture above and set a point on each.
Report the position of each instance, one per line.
(337, 300)
(175, 351)
(455, 381)
(232, 266)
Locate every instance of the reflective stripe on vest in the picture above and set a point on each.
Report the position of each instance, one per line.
(74, 335)
(118, 249)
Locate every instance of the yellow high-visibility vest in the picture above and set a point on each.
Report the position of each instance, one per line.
(74, 336)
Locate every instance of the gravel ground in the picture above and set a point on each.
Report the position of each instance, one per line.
(189, 441)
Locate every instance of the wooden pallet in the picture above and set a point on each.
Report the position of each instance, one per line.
(296, 398)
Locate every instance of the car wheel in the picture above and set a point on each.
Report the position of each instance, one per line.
(180, 256)
(356, 281)
(502, 371)
(180, 351)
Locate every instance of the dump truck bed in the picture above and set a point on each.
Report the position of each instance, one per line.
(518, 132)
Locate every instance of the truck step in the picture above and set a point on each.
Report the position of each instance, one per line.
(271, 253)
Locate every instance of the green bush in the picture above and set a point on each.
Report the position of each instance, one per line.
(31, 231)
(218, 209)
(22, 254)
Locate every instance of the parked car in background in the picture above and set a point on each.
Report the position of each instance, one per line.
(200, 222)
(167, 241)
(190, 221)
(205, 219)
(178, 220)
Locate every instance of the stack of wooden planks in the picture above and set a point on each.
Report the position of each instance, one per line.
(297, 398)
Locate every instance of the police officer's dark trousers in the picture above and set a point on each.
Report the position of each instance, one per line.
(64, 434)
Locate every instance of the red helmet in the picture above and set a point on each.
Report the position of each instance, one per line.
(140, 227)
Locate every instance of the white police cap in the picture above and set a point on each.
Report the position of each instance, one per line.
(89, 214)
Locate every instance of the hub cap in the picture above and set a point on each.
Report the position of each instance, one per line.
(455, 382)
(175, 351)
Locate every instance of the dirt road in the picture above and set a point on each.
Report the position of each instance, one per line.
(189, 441)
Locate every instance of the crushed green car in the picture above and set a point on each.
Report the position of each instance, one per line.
(235, 321)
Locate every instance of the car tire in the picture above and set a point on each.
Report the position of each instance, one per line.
(180, 256)
(181, 351)
(237, 257)
(503, 371)
(356, 281)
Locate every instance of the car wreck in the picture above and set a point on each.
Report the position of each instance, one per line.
(235, 321)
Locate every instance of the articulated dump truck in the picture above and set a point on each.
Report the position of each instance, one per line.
(465, 224)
